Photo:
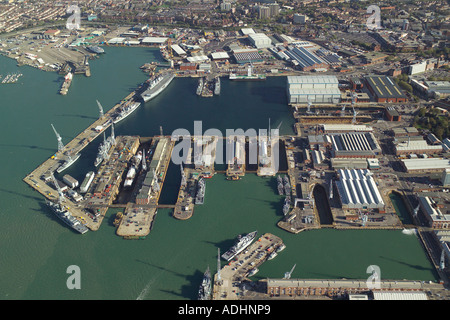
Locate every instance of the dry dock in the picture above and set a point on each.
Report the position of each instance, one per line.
(38, 179)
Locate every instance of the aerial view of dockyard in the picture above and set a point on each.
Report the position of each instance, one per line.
(225, 150)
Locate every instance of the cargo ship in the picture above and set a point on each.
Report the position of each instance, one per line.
(126, 111)
(248, 76)
(200, 197)
(66, 84)
(156, 85)
(204, 292)
(242, 242)
(62, 213)
(87, 182)
(95, 49)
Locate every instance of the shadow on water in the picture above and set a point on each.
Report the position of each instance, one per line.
(25, 146)
(21, 194)
(190, 290)
(76, 116)
(270, 94)
(406, 264)
(160, 268)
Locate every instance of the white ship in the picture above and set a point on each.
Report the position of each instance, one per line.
(241, 244)
(126, 111)
(157, 85)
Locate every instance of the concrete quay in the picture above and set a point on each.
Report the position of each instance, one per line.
(226, 286)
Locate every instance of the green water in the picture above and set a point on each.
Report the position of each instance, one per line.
(36, 248)
(400, 208)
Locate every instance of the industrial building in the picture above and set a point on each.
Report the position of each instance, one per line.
(243, 56)
(344, 127)
(305, 59)
(317, 89)
(260, 40)
(445, 179)
(354, 163)
(354, 145)
(425, 165)
(436, 210)
(357, 190)
(384, 89)
(416, 147)
(405, 132)
(392, 114)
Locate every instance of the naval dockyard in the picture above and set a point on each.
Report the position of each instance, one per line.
(353, 150)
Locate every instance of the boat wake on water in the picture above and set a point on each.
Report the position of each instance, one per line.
(409, 231)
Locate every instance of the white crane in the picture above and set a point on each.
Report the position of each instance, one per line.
(218, 266)
(60, 194)
(354, 116)
(100, 108)
(416, 210)
(287, 275)
(144, 161)
(442, 262)
(58, 137)
(183, 176)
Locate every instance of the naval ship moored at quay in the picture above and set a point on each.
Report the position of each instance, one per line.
(242, 242)
(156, 85)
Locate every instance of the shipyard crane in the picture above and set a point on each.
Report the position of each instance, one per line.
(416, 210)
(354, 115)
(287, 275)
(219, 279)
(343, 110)
(100, 108)
(60, 144)
(183, 176)
(60, 194)
(442, 262)
(308, 110)
(144, 161)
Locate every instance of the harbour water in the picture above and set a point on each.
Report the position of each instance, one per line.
(37, 248)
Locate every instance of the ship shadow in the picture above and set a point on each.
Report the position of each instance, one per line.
(190, 290)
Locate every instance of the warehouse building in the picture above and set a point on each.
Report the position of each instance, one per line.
(340, 128)
(405, 132)
(422, 165)
(357, 190)
(384, 89)
(392, 114)
(317, 89)
(305, 59)
(243, 56)
(154, 40)
(260, 40)
(354, 145)
(354, 163)
(416, 147)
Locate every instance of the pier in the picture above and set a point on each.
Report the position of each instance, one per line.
(238, 269)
